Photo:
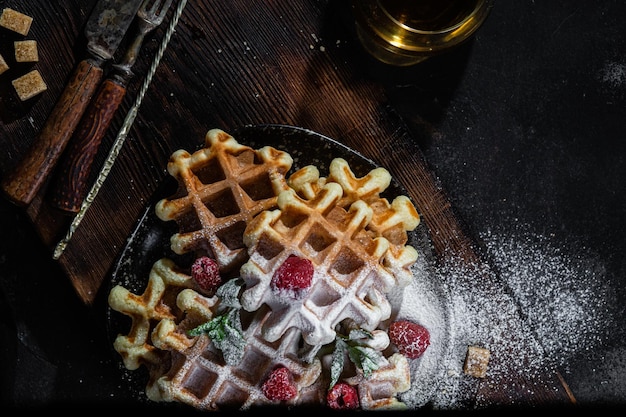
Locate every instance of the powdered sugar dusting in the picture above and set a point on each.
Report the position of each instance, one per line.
(424, 301)
(614, 74)
(565, 297)
(532, 306)
(483, 315)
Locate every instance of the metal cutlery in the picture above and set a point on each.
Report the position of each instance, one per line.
(104, 31)
(121, 135)
(69, 186)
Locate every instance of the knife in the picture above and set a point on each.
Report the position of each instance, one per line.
(104, 31)
(121, 135)
(69, 186)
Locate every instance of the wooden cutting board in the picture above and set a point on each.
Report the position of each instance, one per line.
(301, 67)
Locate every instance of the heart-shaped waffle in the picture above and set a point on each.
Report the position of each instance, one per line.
(170, 297)
(221, 187)
(389, 220)
(354, 266)
(200, 376)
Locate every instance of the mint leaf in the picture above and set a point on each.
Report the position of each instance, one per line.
(203, 328)
(229, 293)
(224, 329)
(364, 358)
(226, 333)
(336, 366)
(356, 334)
(231, 341)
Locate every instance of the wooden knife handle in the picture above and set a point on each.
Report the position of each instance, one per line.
(21, 186)
(69, 187)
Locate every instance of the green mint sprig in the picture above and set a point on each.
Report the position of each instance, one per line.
(364, 357)
(224, 329)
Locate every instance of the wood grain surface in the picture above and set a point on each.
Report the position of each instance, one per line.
(230, 64)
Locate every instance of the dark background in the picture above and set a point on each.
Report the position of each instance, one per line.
(525, 130)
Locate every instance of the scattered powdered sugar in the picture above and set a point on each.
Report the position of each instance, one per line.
(566, 298)
(532, 306)
(614, 74)
(483, 315)
(423, 301)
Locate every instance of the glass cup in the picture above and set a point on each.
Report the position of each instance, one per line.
(405, 32)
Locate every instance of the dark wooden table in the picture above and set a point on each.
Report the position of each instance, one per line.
(235, 63)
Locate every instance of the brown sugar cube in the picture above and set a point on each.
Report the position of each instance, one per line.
(26, 51)
(3, 65)
(476, 361)
(29, 85)
(15, 21)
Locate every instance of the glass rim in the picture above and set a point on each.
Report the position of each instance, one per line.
(481, 7)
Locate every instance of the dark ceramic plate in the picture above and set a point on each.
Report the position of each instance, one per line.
(423, 301)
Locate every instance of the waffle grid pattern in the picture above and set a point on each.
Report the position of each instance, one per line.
(221, 188)
(235, 205)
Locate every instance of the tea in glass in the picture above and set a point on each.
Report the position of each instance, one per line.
(405, 32)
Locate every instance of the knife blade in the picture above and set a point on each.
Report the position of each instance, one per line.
(105, 29)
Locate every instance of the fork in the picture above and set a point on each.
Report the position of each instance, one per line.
(69, 186)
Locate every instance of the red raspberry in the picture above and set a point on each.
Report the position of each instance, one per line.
(342, 397)
(410, 338)
(206, 273)
(280, 386)
(294, 274)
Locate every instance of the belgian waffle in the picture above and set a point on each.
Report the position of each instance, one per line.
(389, 220)
(200, 377)
(235, 205)
(221, 187)
(191, 370)
(170, 304)
(354, 266)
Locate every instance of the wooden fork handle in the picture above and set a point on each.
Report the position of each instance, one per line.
(21, 186)
(69, 187)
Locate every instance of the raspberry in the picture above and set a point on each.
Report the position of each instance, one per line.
(342, 397)
(280, 386)
(294, 274)
(410, 338)
(206, 273)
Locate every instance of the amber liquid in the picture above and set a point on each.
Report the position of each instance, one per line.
(404, 32)
(429, 15)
